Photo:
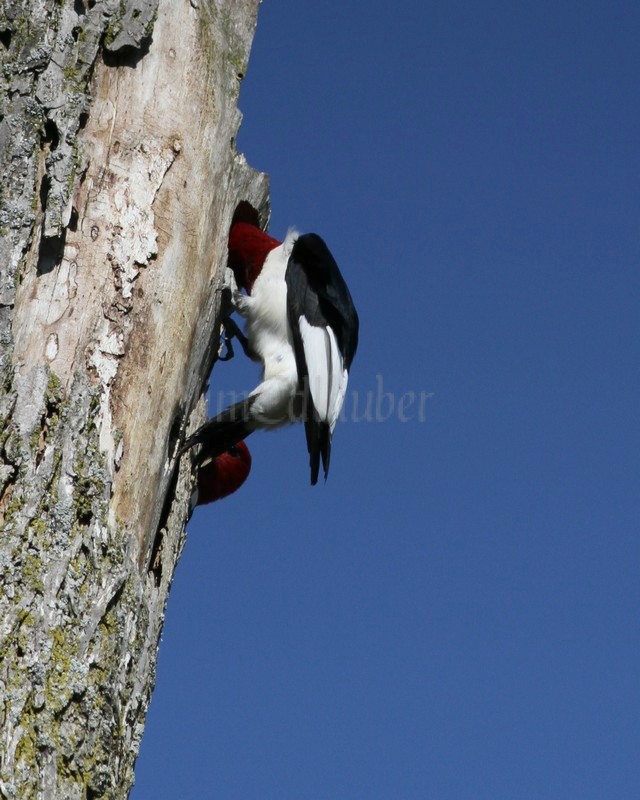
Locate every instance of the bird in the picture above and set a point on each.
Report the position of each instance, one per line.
(302, 325)
(221, 475)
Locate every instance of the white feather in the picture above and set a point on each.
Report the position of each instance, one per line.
(270, 338)
(266, 313)
(327, 376)
(340, 395)
(337, 383)
(275, 401)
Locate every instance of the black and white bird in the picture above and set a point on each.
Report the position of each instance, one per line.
(303, 327)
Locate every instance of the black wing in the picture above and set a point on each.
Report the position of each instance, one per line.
(320, 305)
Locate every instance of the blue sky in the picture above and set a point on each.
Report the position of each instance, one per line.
(455, 614)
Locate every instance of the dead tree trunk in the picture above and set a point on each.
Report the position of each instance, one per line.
(119, 181)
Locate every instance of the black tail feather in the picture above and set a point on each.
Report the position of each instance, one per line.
(325, 447)
(319, 446)
(221, 432)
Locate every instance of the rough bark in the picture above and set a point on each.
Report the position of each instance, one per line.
(119, 178)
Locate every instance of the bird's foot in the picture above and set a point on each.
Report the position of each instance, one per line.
(232, 331)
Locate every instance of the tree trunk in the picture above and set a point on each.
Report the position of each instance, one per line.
(119, 181)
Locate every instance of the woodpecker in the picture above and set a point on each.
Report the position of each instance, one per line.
(302, 325)
(221, 475)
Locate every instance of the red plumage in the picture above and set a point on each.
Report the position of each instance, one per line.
(248, 249)
(224, 474)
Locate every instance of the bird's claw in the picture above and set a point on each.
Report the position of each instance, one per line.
(232, 331)
(225, 351)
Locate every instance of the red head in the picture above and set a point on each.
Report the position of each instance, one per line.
(224, 474)
(248, 249)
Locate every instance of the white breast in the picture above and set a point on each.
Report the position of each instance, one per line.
(267, 325)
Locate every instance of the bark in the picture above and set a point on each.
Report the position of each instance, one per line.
(119, 178)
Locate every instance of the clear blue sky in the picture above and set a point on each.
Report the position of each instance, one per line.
(455, 614)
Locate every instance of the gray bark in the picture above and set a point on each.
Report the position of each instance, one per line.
(119, 178)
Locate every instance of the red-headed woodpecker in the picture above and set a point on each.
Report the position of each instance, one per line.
(222, 475)
(302, 325)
